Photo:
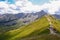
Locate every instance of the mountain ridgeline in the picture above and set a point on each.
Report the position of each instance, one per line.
(29, 26)
(13, 21)
(10, 19)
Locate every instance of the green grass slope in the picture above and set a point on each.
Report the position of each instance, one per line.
(56, 23)
(37, 30)
(34, 28)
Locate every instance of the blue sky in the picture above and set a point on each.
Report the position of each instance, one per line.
(37, 2)
(10, 1)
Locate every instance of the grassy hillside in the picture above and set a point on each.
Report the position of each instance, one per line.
(34, 28)
(5, 28)
(37, 30)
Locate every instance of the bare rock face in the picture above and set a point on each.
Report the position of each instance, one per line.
(7, 19)
(11, 19)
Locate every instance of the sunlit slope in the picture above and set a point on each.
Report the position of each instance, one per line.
(34, 28)
(55, 22)
(37, 30)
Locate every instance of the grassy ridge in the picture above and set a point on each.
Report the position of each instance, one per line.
(33, 31)
(27, 30)
(40, 24)
(55, 23)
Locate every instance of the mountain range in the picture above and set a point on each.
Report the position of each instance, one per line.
(10, 19)
(36, 30)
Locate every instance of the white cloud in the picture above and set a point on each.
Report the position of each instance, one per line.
(19, 6)
(27, 7)
(8, 8)
(3, 7)
(53, 7)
